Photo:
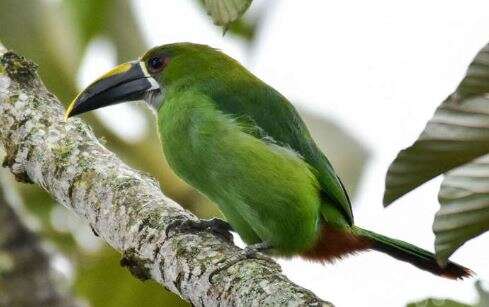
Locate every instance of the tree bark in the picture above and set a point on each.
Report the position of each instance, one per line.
(27, 277)
(126, 207)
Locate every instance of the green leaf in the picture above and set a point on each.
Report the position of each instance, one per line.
(433, 302)
(464, 211)
(224, 12)
(456, 134)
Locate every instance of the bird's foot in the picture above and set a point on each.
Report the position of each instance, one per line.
(217, 226)
(95, 233)
(249, 252)
(254, 250)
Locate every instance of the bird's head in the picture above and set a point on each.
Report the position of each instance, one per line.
(148, 77)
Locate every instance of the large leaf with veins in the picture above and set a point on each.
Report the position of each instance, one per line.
(456, 134)
(464, 211)
(455, 142)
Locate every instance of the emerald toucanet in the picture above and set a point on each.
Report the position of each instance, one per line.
(242, 144)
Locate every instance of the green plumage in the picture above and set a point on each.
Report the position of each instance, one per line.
(243, 145)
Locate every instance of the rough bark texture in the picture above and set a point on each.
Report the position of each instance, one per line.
(27, 278)
(125, 207)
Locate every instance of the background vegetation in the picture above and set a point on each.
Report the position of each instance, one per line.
(56, 35)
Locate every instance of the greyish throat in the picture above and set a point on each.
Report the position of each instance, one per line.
(154, 98)
(154, 95)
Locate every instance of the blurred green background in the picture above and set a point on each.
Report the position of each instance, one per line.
(55, 35)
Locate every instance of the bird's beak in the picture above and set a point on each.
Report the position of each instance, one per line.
(126, 82)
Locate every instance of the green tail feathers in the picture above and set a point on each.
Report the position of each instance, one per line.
(414, 255)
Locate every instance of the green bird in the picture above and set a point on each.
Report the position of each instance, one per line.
(243, 145)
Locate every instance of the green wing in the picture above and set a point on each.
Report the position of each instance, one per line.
(271, 116)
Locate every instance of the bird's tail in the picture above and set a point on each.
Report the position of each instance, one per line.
(414, 255)
(336, 243)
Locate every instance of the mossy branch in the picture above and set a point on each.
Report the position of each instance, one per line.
(126, 207)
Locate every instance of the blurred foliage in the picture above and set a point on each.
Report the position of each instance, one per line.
(56, 34)
(41, 31)
(112, 19)
(456, 135)
(433, 302)
(119, 288)
(245, 27)
(224, 12)
(32, 32)
(348, 155)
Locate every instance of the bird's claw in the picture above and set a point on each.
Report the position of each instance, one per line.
(216, 223)
(249, 252)
(217, 226)
(95, 233)
(252, 250)
(256, 250)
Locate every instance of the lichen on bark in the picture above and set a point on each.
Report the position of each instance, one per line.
(126, 207)
(25, 265)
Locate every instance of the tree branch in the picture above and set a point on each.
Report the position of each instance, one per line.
(125, 207)
(26, 275)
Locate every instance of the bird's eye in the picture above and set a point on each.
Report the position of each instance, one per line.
(155, 63)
